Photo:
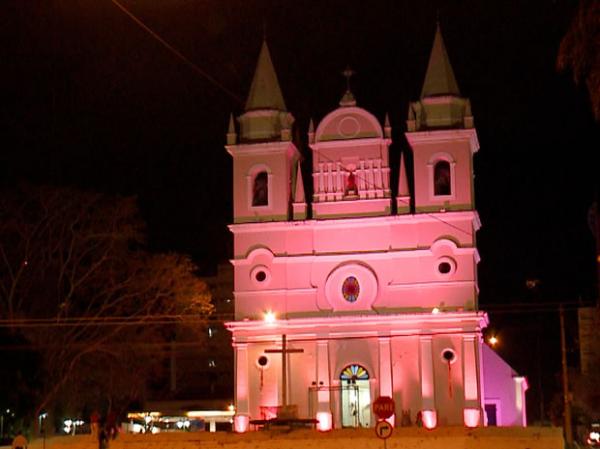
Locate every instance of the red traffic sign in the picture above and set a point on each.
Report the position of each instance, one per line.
(384, 407)
(383, 429)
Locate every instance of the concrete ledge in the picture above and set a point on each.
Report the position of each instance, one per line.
(402, 438)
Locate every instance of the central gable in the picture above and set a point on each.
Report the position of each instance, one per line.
(348, 123)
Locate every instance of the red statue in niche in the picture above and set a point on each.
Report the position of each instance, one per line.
(351, 188)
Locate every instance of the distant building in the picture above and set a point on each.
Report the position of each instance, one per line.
(218, 363)
(354, 294)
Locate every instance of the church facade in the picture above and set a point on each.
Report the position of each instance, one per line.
(354, 294)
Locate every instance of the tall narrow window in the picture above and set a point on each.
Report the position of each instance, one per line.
(356, 397)
(441, 178)
(260, 191)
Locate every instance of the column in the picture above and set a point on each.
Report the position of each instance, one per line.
(378, 181)
(323, 407)
(472, 410)
(321, 180)
(370, 179)
(362, 184)
(241, 420)
(428, 412)
(330, 188)
(340, 185)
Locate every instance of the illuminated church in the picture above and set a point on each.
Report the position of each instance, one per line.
(354, 294)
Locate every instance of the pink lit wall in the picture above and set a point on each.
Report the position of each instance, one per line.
(417, 278)
(304, 263)
(504, 388)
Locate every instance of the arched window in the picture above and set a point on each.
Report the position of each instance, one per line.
(260, 190)
(354, 373)
(441, 178)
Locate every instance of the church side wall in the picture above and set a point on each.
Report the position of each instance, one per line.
(501, 389)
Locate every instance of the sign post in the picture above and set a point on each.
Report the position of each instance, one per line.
(384, 407)
(383, 430)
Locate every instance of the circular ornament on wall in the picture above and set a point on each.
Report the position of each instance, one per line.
(350, 289)
(263, 362)
(351, 286)
(260, 275)
(348, 127)
(445, 267)
(448, 355)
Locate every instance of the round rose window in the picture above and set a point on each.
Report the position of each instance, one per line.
(350, 289)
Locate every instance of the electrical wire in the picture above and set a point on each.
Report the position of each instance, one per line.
(227, 317)
(176, 52)
(208, 77)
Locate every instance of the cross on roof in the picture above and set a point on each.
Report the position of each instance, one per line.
(347, 73)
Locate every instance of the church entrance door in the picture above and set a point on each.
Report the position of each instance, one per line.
(356, 397)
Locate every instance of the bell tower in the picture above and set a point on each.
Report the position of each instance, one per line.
(264, 158)
(441, 134)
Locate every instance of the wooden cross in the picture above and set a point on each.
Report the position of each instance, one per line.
(284, 351)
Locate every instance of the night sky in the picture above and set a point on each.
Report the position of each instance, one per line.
(91, 99)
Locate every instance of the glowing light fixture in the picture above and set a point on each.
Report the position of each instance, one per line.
(240, 423)
(269, 317)
(435, 310)
(429, 419)
(325, 421)
(493, 341)
(471, 416)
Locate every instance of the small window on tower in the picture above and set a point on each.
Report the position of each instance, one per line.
(441, 178)
(260, 192)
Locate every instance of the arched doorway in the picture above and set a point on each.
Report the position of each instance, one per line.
(356, 397)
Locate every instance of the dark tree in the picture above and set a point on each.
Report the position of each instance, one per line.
(580, 50)
(77, 284)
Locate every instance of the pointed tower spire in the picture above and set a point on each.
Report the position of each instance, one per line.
(439, 78)
(231, 134)
(441, 105)
(311, 131)
(299, 206)
(403, 179)
(265, 117)
(387, 128)
(403, 198)
(264, 91)
(299, 193)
